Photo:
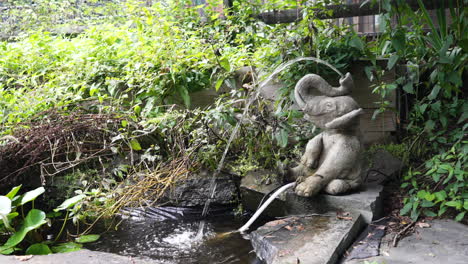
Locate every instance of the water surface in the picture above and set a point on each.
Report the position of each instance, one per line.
(175, 241)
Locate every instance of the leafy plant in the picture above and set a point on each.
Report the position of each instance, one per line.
(435, 61)
(25, 230)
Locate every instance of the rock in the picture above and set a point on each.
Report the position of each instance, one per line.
(255, 185)
(384, 165)
(445, 241)
(78, 257)
(310, 239)
(195, 190)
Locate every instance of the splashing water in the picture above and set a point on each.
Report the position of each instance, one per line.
(279, 69)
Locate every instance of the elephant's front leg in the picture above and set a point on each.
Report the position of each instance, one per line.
(311, 186)
(308, 161)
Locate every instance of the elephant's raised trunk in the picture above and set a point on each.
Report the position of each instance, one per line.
(312, 85)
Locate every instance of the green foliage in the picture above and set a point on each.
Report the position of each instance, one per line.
(435, 129)
(24, 231)
(397, 150)
(442, 184)
(8, 210)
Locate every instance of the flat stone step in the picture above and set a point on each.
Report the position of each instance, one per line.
(311, 239)
(366, 200)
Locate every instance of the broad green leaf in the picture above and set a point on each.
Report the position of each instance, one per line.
(460, 216)
(70, 202)
(429, 196)
(224, 62)
(38, 249)
(87, 238)
(135, 145)
(442, 211)
(137, 109)
(67, 247)
(429, 126)
(219, 83)
(435, 91)
(356, 42)
(183, 92)
(456, 204)
(392, 61)
(426, 203)
(406, 208)
(399, 40)
(13, 192)
(414, 214)
(124, 123)
(429, 213)
(441, 195)
(421, 194)
(33, 220)
(408, 88)
(31, 195)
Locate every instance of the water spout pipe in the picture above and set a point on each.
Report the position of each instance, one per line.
(265, 205)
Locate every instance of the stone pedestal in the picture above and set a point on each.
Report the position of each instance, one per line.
(313, 239)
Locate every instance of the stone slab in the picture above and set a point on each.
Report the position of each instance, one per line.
(313, 239)
(446, 241)
(367, 200)
(78, 257)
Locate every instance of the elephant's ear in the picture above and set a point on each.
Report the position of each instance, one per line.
(344, 120)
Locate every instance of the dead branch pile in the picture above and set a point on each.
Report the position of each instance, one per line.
(149, 186)
(53, 144)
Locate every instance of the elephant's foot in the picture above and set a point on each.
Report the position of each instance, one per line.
(337, 187)
(310, 187)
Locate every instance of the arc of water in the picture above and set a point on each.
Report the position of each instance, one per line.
(265, 205)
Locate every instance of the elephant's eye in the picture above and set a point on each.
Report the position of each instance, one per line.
(329, 105)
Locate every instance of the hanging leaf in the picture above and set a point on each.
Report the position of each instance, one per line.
(135, 145)
(392, 61)
(67, 247)
(219, 83)
(460, 216)
(435, 91)
(70, 202)
(224, 62)
(87, 238)
(31, 195)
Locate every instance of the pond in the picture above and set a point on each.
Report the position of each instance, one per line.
(173, 241)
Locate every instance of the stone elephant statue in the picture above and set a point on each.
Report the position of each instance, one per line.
(332, 159)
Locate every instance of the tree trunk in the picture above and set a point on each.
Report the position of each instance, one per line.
(343, 10)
